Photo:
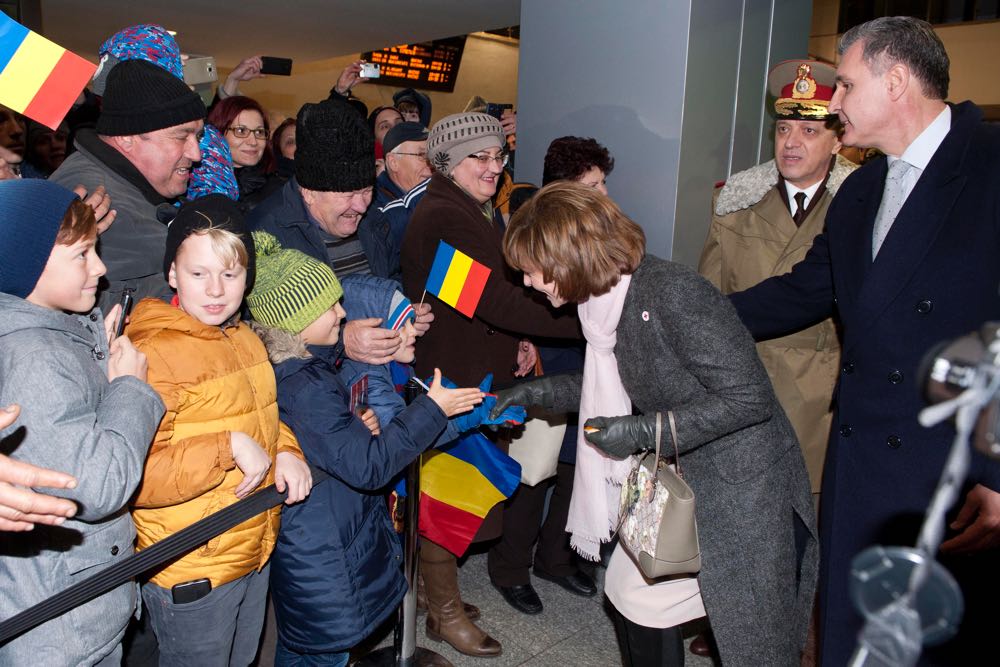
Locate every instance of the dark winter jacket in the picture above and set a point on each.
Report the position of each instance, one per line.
(284, 215)
(335, 572)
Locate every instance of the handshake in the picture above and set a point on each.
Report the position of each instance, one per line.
(616, 436)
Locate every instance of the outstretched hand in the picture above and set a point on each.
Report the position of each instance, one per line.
(453, 401)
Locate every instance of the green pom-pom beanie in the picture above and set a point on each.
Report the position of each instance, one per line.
(292, 289)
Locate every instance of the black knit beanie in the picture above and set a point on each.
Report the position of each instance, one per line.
(334, 150)
(142, 97)
(217, 211)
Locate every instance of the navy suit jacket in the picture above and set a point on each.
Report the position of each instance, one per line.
(936, 277)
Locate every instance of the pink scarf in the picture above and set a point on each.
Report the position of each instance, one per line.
(593, 508)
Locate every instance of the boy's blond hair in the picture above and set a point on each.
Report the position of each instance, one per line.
(226, 245)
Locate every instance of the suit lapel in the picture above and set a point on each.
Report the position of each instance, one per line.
(854, 228)
(914, 231)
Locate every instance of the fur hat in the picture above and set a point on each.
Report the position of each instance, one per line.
(335, 151)
(456, 137)
(142, 97)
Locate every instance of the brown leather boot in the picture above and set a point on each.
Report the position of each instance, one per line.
(471, 610)
(446, 619)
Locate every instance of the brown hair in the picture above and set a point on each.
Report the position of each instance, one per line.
(78, 223)
(577, 237)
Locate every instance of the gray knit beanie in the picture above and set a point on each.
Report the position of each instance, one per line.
(456, 137)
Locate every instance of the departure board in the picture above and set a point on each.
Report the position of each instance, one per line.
(429, 65)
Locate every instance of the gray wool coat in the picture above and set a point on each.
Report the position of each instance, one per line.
(72, 419)
(681, 347)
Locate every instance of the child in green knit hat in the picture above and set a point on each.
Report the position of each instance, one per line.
(335, 572)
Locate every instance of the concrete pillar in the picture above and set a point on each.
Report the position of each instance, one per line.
(675, 89)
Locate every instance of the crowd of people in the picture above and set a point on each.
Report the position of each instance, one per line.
(278, 271)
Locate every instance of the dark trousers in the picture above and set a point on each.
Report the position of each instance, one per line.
(647, 647)
(510, 560)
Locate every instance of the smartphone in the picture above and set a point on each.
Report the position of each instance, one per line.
(191, 591)
(496, 110)
(278, 66)
(200, 69)
(126, 304)
(369, 71)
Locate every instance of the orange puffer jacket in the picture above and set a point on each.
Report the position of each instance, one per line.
(213, 380)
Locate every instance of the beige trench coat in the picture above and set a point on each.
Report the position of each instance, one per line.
(751, 244)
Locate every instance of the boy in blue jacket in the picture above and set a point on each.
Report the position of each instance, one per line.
(335, 572)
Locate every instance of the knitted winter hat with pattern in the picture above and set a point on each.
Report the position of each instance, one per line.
(456, 137)
(141, 97)
(214, 174)
(334, 149)
(145, 41)
(32, 211)
(292, 289)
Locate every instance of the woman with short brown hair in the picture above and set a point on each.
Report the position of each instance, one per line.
(660, 338)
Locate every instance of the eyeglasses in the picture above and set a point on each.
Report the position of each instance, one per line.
(241, 132)
(484, 159)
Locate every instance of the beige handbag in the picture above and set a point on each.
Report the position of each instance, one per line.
(658, 526)
(537, 447)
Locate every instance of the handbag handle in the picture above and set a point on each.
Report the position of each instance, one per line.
(673, 435)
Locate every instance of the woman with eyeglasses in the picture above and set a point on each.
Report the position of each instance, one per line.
(243, 122)
(467, 152)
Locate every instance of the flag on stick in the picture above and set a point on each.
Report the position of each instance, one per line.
(38, 78)
(457, 279)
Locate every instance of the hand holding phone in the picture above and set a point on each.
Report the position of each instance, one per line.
(276, 66)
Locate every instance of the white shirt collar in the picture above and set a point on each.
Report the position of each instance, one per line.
(920, 152)
(792, 190)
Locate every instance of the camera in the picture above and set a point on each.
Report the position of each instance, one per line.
(369, 71)
(199, 70)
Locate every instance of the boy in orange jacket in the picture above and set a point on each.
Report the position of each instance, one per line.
(219, 441)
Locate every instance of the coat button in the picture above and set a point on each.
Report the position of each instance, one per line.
(925, 306)
(99, 355)
(846, 431)
(93, 317)
(895, 377)
(894, 441)
(848, 368)
(114, 550)
(491, 331)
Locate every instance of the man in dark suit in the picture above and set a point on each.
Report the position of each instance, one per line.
(909, 257)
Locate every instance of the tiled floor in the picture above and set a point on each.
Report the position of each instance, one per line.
(571, 631)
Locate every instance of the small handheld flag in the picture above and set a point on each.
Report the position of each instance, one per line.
(38, 78)
(457, 279)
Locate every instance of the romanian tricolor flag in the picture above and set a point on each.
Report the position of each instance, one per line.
(38, 78)
(457, 279)
(459, 484)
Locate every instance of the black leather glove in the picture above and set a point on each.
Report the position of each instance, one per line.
(621, 436)
(541, 392)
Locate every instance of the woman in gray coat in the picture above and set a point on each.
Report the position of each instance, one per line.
(661, 338)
